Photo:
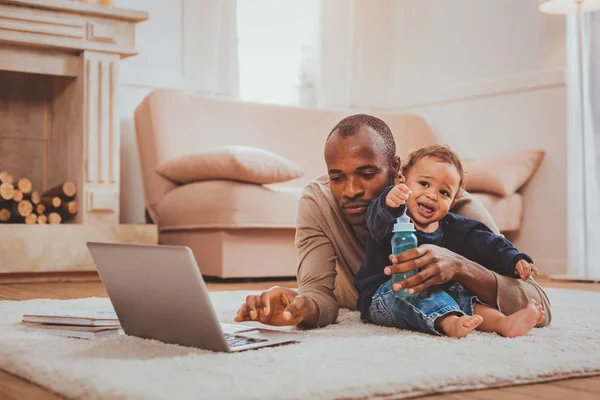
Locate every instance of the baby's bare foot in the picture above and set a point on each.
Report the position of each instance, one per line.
(521, 322)
(462, 326)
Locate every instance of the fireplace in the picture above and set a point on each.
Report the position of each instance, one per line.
(59, 122)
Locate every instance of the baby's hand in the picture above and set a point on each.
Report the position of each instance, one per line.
(524, 269)
(397, 196)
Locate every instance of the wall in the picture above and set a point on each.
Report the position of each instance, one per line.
(488, 76)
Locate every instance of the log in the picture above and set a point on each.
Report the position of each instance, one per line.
(31, 219)
(24, 185)
(66, 190)
(68, 210)
(17, 195)
(7, 191)
(34, 197)
(6, 177)
(22, 209)
(4, 214)
(42, 219)
(52, 203)
(40, 208)
(54, 218)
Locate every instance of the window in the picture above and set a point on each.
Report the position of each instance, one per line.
(277, 50)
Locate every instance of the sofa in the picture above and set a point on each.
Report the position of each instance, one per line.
(239, 229)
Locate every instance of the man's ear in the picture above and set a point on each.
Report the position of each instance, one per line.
(396, 165)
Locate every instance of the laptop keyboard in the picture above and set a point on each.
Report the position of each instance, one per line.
(237, 340)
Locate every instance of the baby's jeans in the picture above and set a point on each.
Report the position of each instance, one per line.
(419, 313)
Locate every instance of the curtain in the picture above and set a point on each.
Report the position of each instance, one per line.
(583, 147)
(211, 43)
(355, 54)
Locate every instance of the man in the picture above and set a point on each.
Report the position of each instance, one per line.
(361, 159)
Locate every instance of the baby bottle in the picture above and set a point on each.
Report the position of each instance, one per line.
(402, 240)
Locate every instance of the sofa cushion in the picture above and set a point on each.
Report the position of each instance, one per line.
(502, 175)
(239, 163)
(507, 211)
(228, 204)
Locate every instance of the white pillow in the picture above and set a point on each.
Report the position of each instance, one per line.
(239, 163)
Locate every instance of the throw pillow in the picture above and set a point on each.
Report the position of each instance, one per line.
(502, 175)
(239, 163)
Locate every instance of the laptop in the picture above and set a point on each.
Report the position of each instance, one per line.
(158, 293)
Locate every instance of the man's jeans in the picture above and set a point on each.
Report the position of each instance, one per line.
(419, 313)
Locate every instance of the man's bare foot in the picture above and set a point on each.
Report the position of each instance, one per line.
(459, 327)
(521, 322)
(542, 315)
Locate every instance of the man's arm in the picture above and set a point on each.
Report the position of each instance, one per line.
(315, 303)
(479, 280)
(440, 265)
(316, 266)
(381, 218)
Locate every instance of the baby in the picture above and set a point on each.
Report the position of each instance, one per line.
(426, 189)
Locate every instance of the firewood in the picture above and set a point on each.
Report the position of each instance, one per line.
(42, 219)
(31, 219)
(52, 202)
(40, 208)
(34, 197)
(22, 209)
(6, 177)
(4, 214)
(7, 191)
(24, 185)
(66, 190)
(68, 210)
(17, 195)
(54, 218)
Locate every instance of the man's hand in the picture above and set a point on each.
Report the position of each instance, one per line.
(524, 269)
(397, 196)
(438, 265)
(277, 306)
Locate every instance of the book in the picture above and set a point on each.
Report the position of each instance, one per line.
(81, 332)
(75, 318)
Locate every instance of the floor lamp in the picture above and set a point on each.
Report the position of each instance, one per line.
(565, 7)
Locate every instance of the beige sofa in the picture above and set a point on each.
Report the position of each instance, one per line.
(242, 230)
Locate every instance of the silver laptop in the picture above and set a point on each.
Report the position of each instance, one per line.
(158, 293)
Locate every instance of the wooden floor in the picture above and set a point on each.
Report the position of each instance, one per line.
(15, 388)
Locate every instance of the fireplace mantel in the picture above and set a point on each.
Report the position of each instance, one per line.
(85, 42)
(69, 26)
(59, 75)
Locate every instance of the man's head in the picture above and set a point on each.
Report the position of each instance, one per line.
(361, 159)
(434, 174)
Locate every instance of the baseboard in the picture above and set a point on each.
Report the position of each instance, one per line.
(49, 277)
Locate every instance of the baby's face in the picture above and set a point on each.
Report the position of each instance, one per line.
(434, 185)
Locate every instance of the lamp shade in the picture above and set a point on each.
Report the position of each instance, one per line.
(564, 7)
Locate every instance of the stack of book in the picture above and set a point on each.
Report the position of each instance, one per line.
(83, 325)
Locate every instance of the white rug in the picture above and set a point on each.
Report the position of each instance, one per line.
(346, 360)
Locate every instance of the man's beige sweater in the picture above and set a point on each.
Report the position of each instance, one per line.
(330, 250)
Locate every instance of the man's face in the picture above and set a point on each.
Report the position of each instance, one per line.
(434, 185)
(358, 171)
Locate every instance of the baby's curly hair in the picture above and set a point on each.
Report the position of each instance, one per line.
(442, 152)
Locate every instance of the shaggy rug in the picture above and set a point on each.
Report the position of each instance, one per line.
(346, 360)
